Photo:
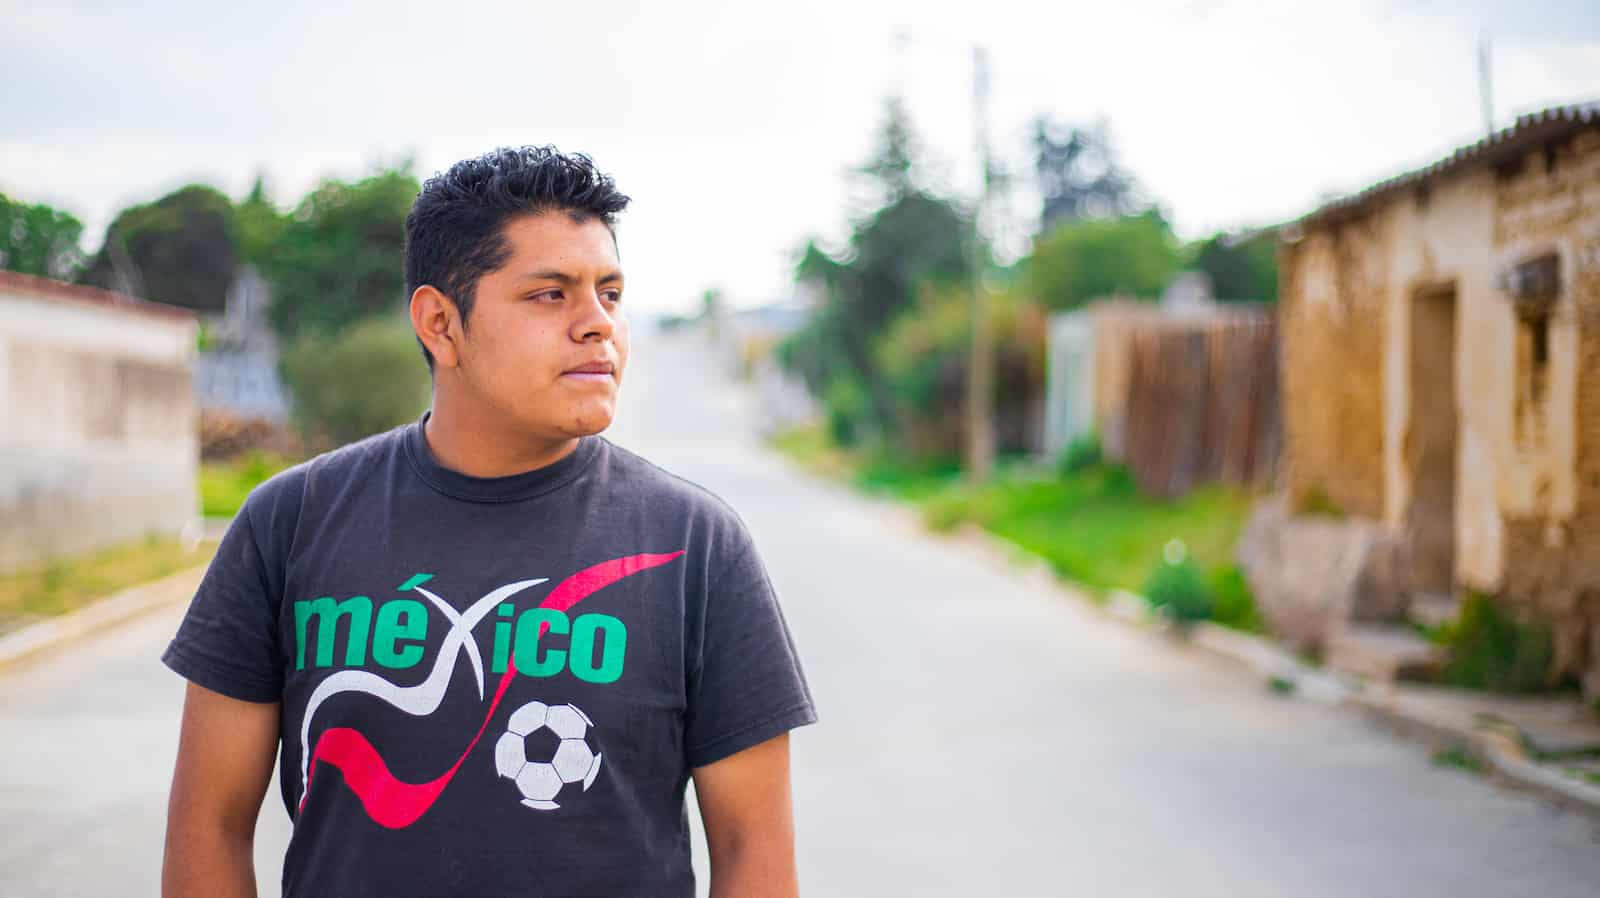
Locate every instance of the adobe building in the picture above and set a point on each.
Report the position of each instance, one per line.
(1441, 392)
(100, 444)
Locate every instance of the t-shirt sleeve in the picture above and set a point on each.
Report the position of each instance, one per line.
(228, 641)
(747, 686)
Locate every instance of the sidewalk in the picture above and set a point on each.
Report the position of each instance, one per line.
(37, 639)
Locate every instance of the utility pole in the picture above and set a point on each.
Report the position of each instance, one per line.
(1485, 85)
(980, 368)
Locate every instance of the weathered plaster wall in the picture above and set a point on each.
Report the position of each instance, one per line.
(1333, 330)
(1551, 494)
(100, 445)
(1441, 240)
(1553, 204)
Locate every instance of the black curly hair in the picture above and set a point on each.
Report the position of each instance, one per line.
(455, 231)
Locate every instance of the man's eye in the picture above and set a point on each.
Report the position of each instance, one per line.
(613, 295)
(548, 295)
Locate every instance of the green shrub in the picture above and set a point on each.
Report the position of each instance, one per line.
(847, 411)
(365, 380)
(1232, 604)
(1178, 590)
(225, 485)
(1491, 649)
(1081, 454)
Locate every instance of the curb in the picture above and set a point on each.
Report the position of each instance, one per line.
(1499, 748)
(30, 642)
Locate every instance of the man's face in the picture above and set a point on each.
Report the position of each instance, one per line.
(546, 342)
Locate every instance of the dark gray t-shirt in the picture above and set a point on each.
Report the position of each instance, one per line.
(492, 686)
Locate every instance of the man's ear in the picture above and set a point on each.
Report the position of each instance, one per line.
(437, 323)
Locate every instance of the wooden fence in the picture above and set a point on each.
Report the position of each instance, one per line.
(1196, 397)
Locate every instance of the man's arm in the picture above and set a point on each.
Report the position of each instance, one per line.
(226, 750)
(749, 817)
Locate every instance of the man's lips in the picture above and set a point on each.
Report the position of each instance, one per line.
(591, 371)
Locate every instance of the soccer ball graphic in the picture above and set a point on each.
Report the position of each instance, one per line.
(543, 750)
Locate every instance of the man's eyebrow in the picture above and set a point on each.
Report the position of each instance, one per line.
(562, 277)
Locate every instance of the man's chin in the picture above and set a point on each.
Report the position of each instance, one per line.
(587, 425)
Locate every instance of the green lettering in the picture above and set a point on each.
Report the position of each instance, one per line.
(328, 612)
(399, 619)
(502, 639)
(613, 648)
(530, 626)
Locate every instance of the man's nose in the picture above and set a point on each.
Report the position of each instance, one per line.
(593, 320)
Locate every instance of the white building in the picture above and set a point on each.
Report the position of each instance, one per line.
(100, 444)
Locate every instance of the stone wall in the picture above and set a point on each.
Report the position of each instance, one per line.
(101, 443)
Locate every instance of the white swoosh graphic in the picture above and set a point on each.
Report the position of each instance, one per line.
(425, 697)
(471, 645)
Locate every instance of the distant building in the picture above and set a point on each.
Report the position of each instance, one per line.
(750, 338)
(100, 444)
(1441, 378)
(1189, 293)
(238, 370)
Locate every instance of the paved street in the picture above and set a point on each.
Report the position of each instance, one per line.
(979, 736)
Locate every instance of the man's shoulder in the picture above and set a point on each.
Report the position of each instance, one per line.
(664, 489)
(285, 492)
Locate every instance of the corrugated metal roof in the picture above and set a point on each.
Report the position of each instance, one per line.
(1527, 132)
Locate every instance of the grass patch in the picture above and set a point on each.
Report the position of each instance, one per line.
(914, 483)
(815, 451)
(1459, 757)
(224, 485)
(1095, 528)
(1086, 519)
(63, 585)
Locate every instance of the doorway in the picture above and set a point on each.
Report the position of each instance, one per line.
(1431, 449)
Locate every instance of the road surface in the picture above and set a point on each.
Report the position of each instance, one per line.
(979, 736)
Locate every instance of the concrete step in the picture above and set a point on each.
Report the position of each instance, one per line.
(1432, 609)
(1384, 653)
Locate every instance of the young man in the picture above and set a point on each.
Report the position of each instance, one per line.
(493, 646)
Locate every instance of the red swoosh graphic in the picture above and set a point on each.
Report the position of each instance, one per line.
(396, 804)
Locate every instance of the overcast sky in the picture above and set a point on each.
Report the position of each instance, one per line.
(733, 124)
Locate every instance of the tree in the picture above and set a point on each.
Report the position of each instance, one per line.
(1135, 255)
(889, 169)
(925, 355)
(1241, 267)
(340, 257)
(362, 381)
(258, 224)
(1078, 174)
(36, 239)
(178, 250)
(914, 238)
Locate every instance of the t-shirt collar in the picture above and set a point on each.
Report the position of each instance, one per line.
(510, 488)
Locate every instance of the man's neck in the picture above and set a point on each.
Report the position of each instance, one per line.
(478, 445)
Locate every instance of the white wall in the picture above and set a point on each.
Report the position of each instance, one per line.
(99, 444)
